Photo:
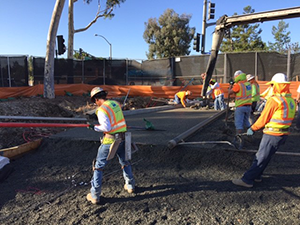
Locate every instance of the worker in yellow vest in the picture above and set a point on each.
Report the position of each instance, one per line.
(255, 95)
(243, 93)
(112, 124)
(276, 118)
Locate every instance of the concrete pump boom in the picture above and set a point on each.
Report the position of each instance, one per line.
(224, 23)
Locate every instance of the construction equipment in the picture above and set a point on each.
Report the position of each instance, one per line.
(224, 23)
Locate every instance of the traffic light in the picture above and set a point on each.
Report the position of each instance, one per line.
(61, 44)
(197, 42)
(211, 10)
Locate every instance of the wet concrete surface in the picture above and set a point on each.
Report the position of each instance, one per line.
(168, 123)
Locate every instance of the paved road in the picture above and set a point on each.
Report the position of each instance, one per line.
(171, 121)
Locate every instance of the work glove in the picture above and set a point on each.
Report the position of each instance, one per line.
(91, 126)
(250, 132)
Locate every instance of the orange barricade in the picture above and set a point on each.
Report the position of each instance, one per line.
(121, 90)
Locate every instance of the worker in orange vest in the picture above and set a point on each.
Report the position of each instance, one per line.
(113, 125)
(276, 118)
(181, 97)
(218, 93)
(243, 93)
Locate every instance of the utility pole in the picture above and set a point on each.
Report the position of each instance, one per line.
(203, 27)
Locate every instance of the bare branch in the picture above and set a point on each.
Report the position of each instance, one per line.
(95, 20)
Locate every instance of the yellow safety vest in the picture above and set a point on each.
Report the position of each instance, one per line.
(256, 92)
(283, 117)
(114, 112)
(243, 97)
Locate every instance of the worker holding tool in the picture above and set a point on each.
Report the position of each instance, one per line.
(215, 88)
(181, 97)
(255, 95)
(276, 118)
(243, 94)
(112, 124)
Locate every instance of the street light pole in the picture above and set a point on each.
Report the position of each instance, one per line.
(110, 46)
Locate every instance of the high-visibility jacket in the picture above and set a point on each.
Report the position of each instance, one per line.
(277, 115)
(243, 93)
(255, 92)
(217, 89)
(113, 111)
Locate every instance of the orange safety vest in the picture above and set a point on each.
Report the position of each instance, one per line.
(114, 112)
(243, 97)
(217, 90)
(283, 116)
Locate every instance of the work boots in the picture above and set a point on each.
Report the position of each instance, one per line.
(91, 199)
(129, 190)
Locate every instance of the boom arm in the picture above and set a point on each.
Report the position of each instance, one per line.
(225, 23)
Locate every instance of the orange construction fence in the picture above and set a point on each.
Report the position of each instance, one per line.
(121, 90)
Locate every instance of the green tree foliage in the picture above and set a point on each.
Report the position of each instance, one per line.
(170, 36)
(282, 39)
(244, 38)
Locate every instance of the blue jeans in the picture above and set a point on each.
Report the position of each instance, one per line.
(219, 103)
(241, 117)
(101, 161)
(176, 99)
(268, 146)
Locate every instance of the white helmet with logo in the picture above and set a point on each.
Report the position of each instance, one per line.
(280, 78)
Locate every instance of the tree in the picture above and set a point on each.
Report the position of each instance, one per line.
(49, 59)
(105, 13)
(282, 39)
(244, 38)
(170, 36)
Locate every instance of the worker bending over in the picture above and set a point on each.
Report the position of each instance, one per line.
(276, 118)
(181, 97)
(243, 94)
(112, 124)
(215, 88)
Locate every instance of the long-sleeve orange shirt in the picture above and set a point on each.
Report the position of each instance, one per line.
(182, 96)
(266, 115)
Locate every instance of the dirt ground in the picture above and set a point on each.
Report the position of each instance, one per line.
(184, 185)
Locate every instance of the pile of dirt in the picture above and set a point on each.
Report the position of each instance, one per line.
(184, 185)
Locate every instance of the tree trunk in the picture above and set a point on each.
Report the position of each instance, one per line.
(49, 59)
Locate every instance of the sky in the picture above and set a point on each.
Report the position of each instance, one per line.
(25, 23)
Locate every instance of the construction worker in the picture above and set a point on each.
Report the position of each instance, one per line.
(276, 118)
(112, 124)
(255, 95)
(243, 94)
(215, 88)
(181, 97)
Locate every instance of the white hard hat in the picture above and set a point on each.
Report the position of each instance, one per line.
(250, 77)
(96, 90)
(279, 78)
(238, 72)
